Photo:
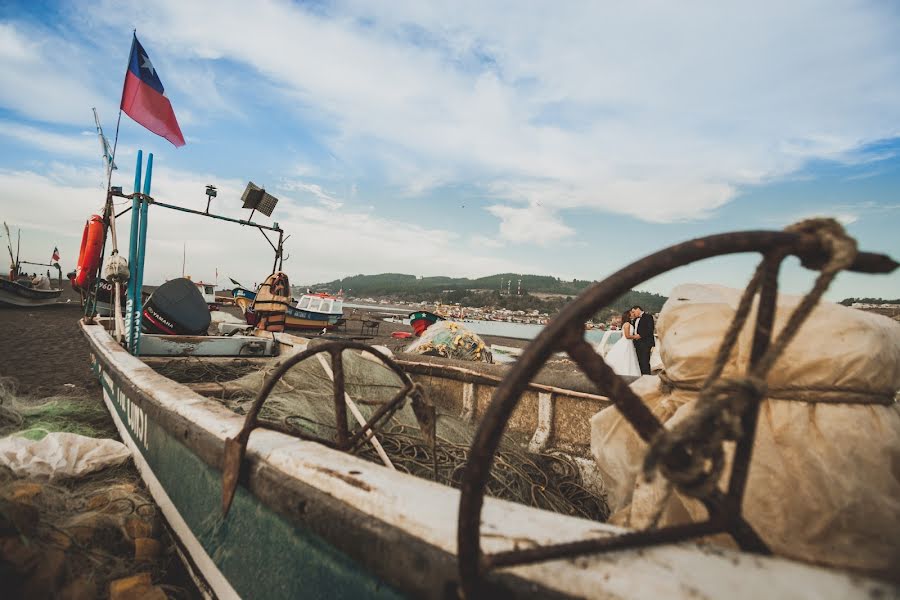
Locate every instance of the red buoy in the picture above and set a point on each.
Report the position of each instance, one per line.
(90, 255)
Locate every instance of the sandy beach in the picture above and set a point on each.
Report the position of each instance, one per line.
(44, 355)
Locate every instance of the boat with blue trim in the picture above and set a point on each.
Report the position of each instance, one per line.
(312, 312)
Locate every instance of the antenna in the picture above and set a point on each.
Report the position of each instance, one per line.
(256, 199)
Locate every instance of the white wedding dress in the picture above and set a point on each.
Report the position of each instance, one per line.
(622, 357)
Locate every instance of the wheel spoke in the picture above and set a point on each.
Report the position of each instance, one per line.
(628, 403)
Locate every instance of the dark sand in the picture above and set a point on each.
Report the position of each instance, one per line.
(43, 350)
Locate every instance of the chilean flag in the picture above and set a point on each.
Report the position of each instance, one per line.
(143, 97)
(55, 257)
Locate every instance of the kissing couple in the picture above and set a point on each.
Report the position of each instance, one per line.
(631, 354)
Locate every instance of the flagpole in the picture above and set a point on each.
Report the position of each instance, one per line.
(121, 98)
(111, 216)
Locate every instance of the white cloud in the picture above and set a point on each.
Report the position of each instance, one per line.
(44, 77)
(662, 112)
(534, 224)
(323, 244)
(325, 199)
(79, 145)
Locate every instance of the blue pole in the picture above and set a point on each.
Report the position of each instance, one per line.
(142, 252)
(132, 251)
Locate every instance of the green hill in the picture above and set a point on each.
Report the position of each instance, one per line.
(483, 291)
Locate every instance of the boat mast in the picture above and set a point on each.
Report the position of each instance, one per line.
(12, 259)
(108, 161)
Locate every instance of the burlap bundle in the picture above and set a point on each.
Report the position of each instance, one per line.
(824, 484)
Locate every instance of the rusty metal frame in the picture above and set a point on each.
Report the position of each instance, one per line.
(236, 448)
(566, 333)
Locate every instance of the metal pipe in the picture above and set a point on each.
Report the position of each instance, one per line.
(220, 217)
(132, 248)
(142, 252)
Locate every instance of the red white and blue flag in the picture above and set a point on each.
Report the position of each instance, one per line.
(144, 100)
(55, 257)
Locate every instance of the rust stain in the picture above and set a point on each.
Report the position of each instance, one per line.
(345, 478)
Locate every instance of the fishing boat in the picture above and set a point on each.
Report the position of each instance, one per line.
(422, 320)
(312, 312)
(208, 291)
(19, 291)
(279, 505)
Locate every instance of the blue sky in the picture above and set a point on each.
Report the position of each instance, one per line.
(463, 138)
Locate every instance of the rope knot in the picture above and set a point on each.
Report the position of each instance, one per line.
(841, 249)
(666, 385)
(690, 455)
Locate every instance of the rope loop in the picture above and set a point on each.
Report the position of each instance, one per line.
(699, 437)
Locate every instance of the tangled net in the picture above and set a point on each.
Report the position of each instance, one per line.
(73, 537)
(33, 418)
(303, 400)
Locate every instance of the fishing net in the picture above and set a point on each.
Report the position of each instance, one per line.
(303, 401)
(74, 537)
(34, 418)
(451, 340)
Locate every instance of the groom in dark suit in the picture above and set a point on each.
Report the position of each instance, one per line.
(643, 345)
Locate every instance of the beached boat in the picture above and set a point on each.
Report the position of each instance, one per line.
(208, 291)
(312, 312)
(264, 504)
(19, 291)
(22, 294)
(105, 297)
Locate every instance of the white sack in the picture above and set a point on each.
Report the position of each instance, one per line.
(823, 485)
(60, 455)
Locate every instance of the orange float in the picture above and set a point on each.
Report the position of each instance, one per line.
(90, 254)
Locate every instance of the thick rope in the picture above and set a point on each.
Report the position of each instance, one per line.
(722, 401)
(831, 394)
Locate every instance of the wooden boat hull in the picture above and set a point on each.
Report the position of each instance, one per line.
(300, 320)
(13, 294)
(231, 558)
(308, 521)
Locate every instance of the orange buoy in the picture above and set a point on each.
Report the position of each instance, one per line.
(90, 254)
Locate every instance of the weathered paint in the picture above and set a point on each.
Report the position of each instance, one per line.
(252, 553)
(181, 345)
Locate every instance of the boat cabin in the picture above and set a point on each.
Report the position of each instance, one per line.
(321, 303)
(208, 291)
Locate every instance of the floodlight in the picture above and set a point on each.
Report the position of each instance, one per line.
(256, 198)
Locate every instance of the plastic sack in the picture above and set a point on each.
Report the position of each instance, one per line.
(451, 340)
(60, 454)
(823, 484)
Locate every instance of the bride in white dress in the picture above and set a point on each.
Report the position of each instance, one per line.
(622, 357)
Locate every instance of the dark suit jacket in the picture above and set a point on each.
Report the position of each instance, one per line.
(645, 329)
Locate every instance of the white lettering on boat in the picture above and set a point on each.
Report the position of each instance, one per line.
(135, 418)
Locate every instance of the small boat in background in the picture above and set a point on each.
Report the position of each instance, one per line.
(20, 290)
(21, 293)
(422, 320)
(314, 311)
(208, 291)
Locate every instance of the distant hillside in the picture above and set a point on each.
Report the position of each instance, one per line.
(390, 283)
(484, 291)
